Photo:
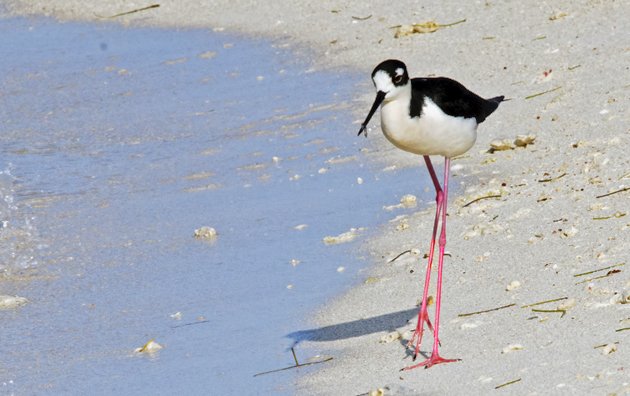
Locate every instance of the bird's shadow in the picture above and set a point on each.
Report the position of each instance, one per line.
(356, 328)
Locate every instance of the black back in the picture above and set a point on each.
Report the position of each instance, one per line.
(452, 97)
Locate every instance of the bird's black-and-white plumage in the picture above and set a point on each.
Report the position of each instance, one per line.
(427, 116)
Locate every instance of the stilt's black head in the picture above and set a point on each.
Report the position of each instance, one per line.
(392, 71)
(388, 77)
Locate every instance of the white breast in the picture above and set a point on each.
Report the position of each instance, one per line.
(434, 133)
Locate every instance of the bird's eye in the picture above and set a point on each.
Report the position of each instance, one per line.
(398, 79)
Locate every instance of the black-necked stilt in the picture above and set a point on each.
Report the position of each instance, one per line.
(428, 116)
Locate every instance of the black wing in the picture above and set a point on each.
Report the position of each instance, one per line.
(452, 97)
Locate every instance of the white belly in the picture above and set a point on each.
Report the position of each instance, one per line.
(435, 133)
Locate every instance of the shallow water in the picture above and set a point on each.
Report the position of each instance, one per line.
(116, 145)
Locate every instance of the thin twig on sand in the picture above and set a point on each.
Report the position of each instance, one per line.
(397, 257)
(485, 311)
(544, 302)
(296, 365)
(129, 12)
(560, 311)
(613, 192)
(542, 93)
(480, 198)
(609, 273)
(507, 383)
(599, 269)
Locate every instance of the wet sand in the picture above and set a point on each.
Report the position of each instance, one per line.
(562, 209)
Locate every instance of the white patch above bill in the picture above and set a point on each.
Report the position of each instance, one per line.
(383, 81)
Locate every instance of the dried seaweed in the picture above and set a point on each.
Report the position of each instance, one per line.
(426, 27)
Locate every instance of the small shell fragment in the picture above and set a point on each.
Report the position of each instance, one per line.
(469, 325)
(347, 236)
(390, 337)
(403, 225)
(620, 298)
(567, 304)
(512, 348)
(571, 232)
(377, 392)
(409, 201)
(295, 262)
(608, 349)
(501, 145)
(176, 316)
(206, 233)
(11, 302)
(513, 285)
(524, 140)
(150, 347)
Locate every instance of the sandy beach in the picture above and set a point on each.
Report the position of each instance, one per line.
(548, 223)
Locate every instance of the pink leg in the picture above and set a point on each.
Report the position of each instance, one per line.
(435, 356)
(423, 315)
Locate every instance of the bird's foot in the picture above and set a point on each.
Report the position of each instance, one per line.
(417, 334)
(432, 361)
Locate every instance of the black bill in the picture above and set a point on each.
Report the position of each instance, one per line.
(380, 95)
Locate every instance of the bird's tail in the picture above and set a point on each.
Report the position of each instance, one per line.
(490, 105)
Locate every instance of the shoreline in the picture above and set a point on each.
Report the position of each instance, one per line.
(553, 219)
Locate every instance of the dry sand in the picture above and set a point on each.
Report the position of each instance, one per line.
(551, 222)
